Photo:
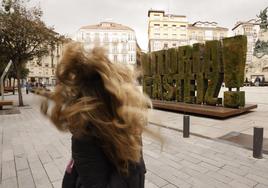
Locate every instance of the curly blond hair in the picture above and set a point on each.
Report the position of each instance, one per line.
(93, 91)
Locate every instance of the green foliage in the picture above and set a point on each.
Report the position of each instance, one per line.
(234, 58)
(261, 48)
(195, 74)
(234, 99)
(147, 85)
(157, 87)
(146, 64)
(213, 68)
(24, 36)
(168, 88)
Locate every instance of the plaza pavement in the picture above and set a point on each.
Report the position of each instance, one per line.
(34, 154)
(215, 128)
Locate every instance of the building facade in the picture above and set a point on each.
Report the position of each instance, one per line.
(169, 31)
(250, 29)
(44, 70)
(199, 32)
(118, 40)
(166, 30)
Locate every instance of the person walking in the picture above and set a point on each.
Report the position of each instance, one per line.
(98, 103)
(27, 87)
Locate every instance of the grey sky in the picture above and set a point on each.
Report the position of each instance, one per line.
(67, 16)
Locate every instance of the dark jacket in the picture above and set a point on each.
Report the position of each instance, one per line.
(92, 169)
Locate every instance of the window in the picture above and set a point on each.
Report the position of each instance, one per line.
(157, 35)
(157, 25)
(174, 36)
(165, 25)
(165, 45)
(115, 58)
(183, 27)
(97, 37)
(115, 49)
(174, 44)
(106, 37)
(124, 58)
(165, 35)
(124, 49)
(88, 39)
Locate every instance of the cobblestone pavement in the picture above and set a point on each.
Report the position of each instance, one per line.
(34, 154)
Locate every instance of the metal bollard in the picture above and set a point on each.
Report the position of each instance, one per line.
(186, 126)
(257, 142)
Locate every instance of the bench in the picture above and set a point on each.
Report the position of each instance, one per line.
(10, 89)
(5, 103)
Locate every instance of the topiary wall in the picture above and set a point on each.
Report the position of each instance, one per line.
(195, 74)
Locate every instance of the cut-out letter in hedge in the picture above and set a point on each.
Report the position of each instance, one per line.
(234, 58)
(195, 74)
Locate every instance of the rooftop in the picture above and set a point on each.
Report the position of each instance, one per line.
(107, 26)
(252, 22)
(163, 12)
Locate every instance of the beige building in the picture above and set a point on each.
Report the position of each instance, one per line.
(169, 31)
(43, 71)
(166, 30)
(118, 40)
(199, 32)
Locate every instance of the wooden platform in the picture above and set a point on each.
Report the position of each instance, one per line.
(214, 111)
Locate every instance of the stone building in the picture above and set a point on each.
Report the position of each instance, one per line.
(251, 29)
(169, 31)
(199, 32)
(119, 41)
(166, 30)
(43, 70)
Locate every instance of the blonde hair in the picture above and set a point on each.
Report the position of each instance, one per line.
(93, 91)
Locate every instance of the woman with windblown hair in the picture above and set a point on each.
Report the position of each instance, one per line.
(98, 102)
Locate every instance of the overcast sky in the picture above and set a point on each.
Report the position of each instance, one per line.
(67, 16)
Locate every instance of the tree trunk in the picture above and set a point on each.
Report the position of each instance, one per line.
(13, 84)
(18, 69)
(9, 82)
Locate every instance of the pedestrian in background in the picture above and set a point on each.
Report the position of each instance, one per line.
(27, 87)
(98, 102)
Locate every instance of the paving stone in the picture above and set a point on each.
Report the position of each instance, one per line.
(10, 183)
(25, 179)
(52, 172)
(238, 178)
(39, 175)
(261, 186)
(236, 184)
(170, 186)
(57, 184)
(194, 166)
(153, 178)
(219, 177)
(21, 162)
(209, 166)
(8, 170)
(237, 171)
(7, 155)
(258, 179)
(44, 156)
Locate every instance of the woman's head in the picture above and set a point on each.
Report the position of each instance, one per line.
(93, 91)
